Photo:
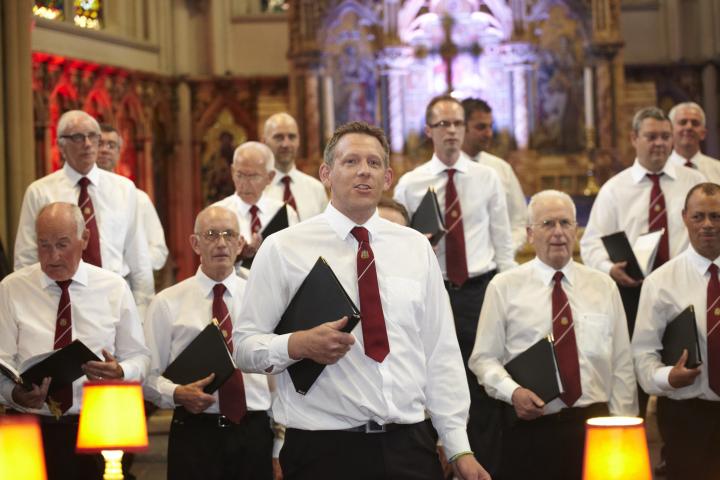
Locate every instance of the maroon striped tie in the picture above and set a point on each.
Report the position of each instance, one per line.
(288, 197)
(63, 337)
(91, 254)
(254, 219)
(455, 257)
(232, 392)
(713, 329)
(565, 344)
(657, 219)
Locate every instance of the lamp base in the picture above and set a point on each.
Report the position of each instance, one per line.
(113, 464)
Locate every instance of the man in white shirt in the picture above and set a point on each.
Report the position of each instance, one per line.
(108, 157)
(688, 408)
(47, 305)
(205, 442)
(477, 245)
(477, 142)
(581, 307)
(252, 172)
(109, 207)
(689, 130)
(305, 193)
(399, 362)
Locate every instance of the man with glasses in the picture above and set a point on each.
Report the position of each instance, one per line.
(108, 203)
(209, 438)
(252, 171)
(478, 242)
(108, 157)
(581, 307)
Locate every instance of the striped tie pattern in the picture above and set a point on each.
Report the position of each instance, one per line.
(288, 197)
(565, 343)
(91, 254)
(713, 329)
(63, 337)
(455, 256)
(232, 393)
(657, 219)
(254, 219)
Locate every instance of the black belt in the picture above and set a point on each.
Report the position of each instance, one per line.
(183, 416)
(471, 281)
(372, 426)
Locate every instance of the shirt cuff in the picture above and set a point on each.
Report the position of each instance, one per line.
(661, 377)
(506, 388)
(130, 372)
(605, 266)
(278, 355)
(454, 442)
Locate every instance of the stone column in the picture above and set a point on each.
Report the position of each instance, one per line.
(393, 63)
(519, 59)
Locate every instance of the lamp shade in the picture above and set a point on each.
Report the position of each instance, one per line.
(112, 417)
(21, 448)
(616, 449)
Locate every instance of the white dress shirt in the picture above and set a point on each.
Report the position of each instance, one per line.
(623, 204)
(267, 208)
(104, 316)
(488, 241)
(153, 230)
(423, 369)
(517, 312)
(665, 293)
(310, 195)
(708, 166)
(515, 198)
(123, 246)
(175, 317)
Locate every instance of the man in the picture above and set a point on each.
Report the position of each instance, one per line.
(477, 245)
(391, 210)
(478, 139)
(108, 157)
(689, 130)
(205, 441)
(47, 305)
(252, 171)
(305, 193)
(688, 408)
(581, 307)
(399, 362)
(108, 202)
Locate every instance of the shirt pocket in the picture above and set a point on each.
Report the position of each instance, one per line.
(594, 334)
(402, 301)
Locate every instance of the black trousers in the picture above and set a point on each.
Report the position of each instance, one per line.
(630, 298)
(549, 447)
(486, 414)
(206, 447)
(61, 461)
(407, 453)
(692, 438)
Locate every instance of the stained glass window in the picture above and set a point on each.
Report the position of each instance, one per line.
(50, 9)
(88, 14)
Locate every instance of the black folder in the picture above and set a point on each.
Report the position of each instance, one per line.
(278, 222)
(680, 334)
(428, 217)
(619, 250)
(320, 299)
(14, 375)
(536, 369)
(63, 365)
(206, 354)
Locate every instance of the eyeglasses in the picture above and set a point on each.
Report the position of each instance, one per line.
(550, 224)
(250, 177)
(79, 138)
(108, 144)
(447, 124)
(215, 235)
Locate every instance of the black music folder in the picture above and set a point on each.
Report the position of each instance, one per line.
(428, 217)
(206, 354)
(320, 299)
(640, 257)
(680, 334)
(536, 369)
(278, 222)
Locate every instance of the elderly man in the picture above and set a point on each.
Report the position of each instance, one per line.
(47, 305)
(688, 120)
(364, 416)
(252, 172)
(305, 193)
(208, 439)
(108, 203)
(108, 156)
(477, 141)
(688, 398)
(581, 307)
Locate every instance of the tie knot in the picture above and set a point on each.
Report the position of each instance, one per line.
(451, 173)
(64, 284)
(286, 180)
(558, 277)
(713, 269)
(84, 182)
(253, 210)
(360, 234)
(219, 290)
(655, 177)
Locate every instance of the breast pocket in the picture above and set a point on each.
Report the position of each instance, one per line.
(402, 301)
(594, 334)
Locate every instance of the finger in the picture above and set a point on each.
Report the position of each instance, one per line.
(338, 324)
(346, 339)
(537, 401)
(108, 357)
(205, 381)
(683, 358)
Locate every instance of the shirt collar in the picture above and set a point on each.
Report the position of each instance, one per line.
(80, 276)
(680, 160)
(638, 172)
(280, 175)
(244, 208)
(93, 175)
(207, 284)
(699, 262)
(342, 224)
(461, 165)
(546, 273)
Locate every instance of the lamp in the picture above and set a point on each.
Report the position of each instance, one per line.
(21, 449)
(112, 419)
(616, 449)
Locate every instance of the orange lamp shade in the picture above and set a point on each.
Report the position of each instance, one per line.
(112, 417)
(21, 448)
(616, 449)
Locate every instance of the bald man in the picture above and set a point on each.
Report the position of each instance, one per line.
(305, 193)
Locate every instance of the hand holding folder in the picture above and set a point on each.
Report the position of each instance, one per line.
(278, 222)
(640, 257)
(536, 369)
(428, 218)
(681, 334)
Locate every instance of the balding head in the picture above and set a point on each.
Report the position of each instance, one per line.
(217, 241)
(252, 170)
(61, 239)
(281, 135)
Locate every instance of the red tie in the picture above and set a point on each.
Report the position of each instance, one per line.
(713, 329)
(373, 320)
(565, 344)
(254, 219)
(288, 197)
(232, 392)
(455, 258)
(92, 253)
(657, 219)
(63, 337)
(689, 164)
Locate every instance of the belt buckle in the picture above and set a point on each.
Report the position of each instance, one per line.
(223, 421)
(374, 427)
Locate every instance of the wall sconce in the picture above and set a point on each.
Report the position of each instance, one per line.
(21, 448)
(616, 449)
